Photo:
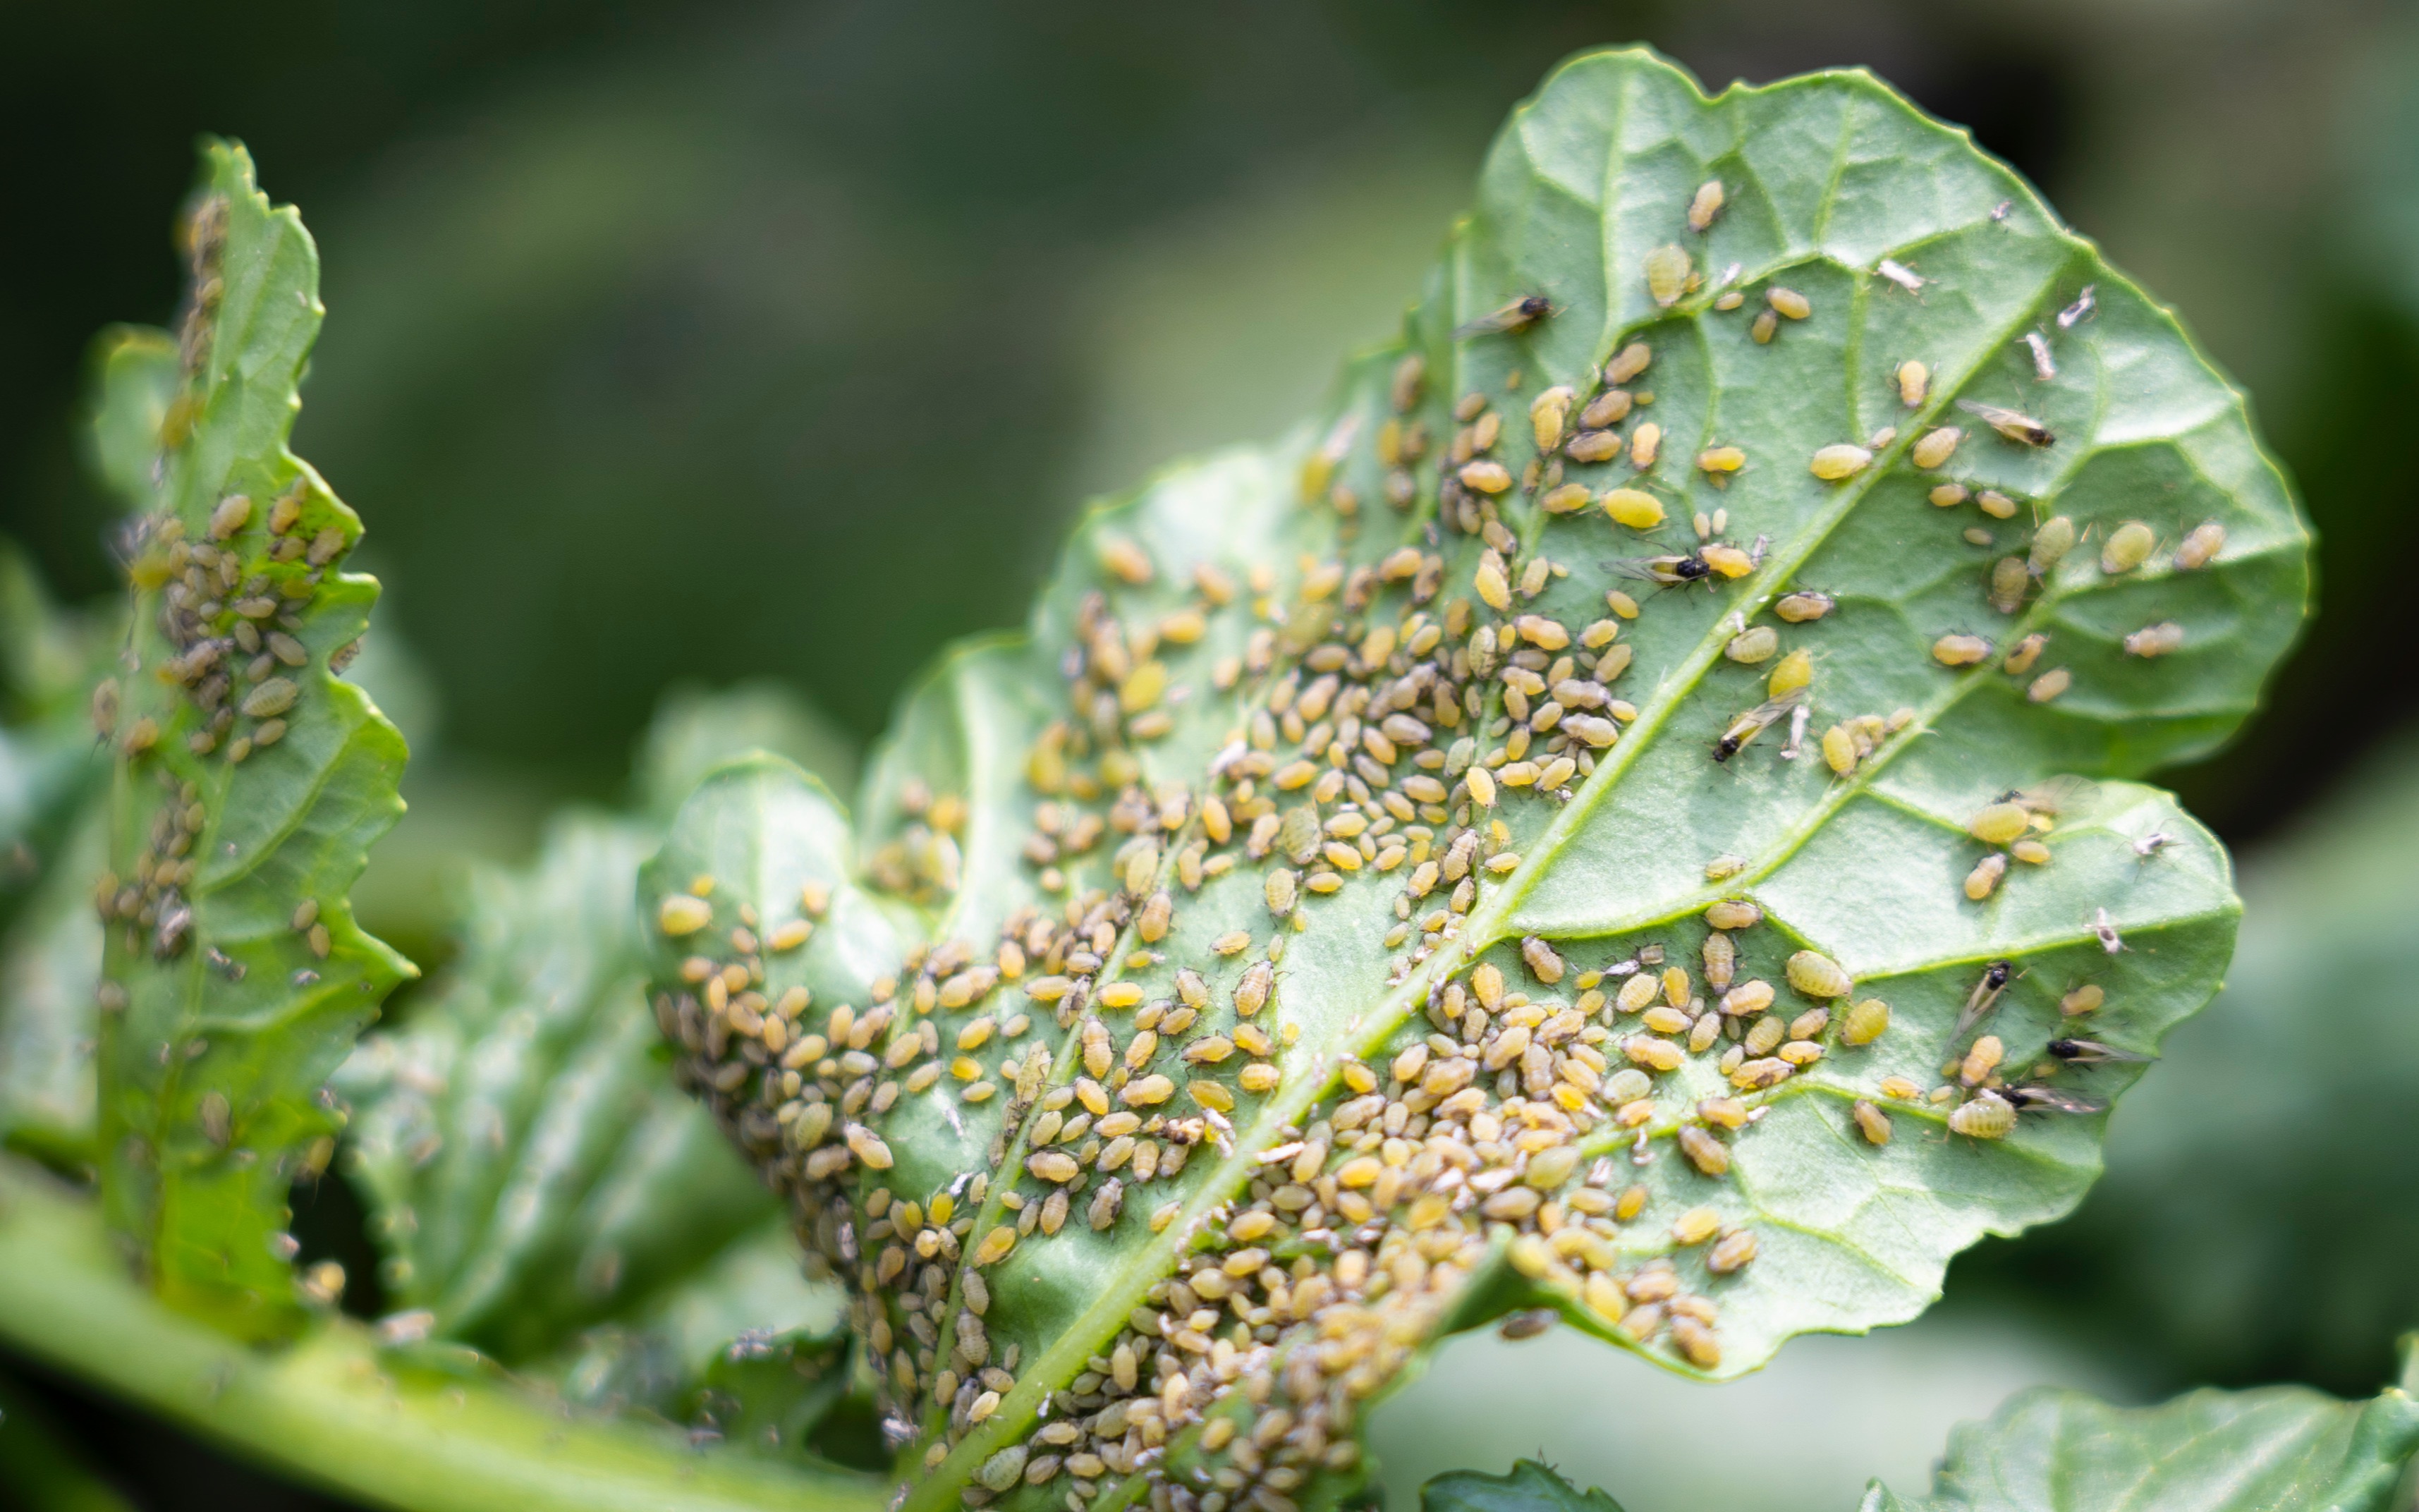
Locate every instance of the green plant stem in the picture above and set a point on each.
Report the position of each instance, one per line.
(331, 1410)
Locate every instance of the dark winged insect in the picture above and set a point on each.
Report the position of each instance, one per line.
(2030, 1098)
(1984, 996)
(2014, 425)
(1515, 316)
(2093, 1053)
(1754, 722)
(1663, 571)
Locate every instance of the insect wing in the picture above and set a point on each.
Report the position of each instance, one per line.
(2050, 1099)
(2093, 1053)
(2014, 424)
(1985, 997)
(1518, 315)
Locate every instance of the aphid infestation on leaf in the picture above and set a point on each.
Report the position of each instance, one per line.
(1293, 937)
(1593, 827)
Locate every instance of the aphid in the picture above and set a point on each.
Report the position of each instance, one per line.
(1753, 723)
(1984, 878)
(1517, 316)
(2153, 843)
(1913, 383)
(2201, 547)
(2029, 1099)
(2093, 1053)
(1801, 607)
(2010, 580)
(2044, 368)
(2128, 546)
(1787, 301)
(2028, 651)
(1718, 459)
(1633, 507)
(1985, 997)
(1901, 274)
(1547, 412)
(2051, 543)
(1706, 205)
(1818, 976)
(1935, 446)
(1761, 328)
(2155, 640)
(1949, 495)
(1866, 1021)
(1796, 670)
(1527, 1324)
(1999, 823)
(1872, 1123)
(1665, 571)
(2030, 852)
(2015, 426)
(1997, 505)
(1643, 443)
(2084, 999)
(1959, 650)
(1835, 463)
(2079, 309)
(1757, 643)
(1988, 1116)
(1981, 1060)
(1627, 363)
(1670, 274)
(2104, 929)
(2049, 685)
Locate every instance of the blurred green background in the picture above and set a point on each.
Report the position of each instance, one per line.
(675, 345)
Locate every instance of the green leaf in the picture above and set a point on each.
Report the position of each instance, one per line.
(1158, 1134)
(2279, 1449)
(2292, 1264)
(539, 1187)
(1530, 1487)
(250, 780)
(336, 1410)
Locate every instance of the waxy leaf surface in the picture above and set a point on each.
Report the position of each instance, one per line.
(1301, 941)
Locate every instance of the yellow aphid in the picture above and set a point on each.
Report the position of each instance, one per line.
(1985, 876)
(1126, 560)
(2010, 580)
(1765, 323)
(1733, 914)
(1279, 889)
(1934, 447)
(1706, 205)
(2128, 546)
(2083, 1000)
(1796, 670)
(1643, 443)
(1547, 412)
(1721, 961)
(2155, 640)
(1482, 786)
(1817, 975)
(232, 513)
(1627, 363)
(2051, 543)
(2030, 852)
(1611, 408)
(1637, 992)
(1633, 509)
(1872, 1123)
(1997, 505)
(1721, 459)
(1568, 498)
(1747, 999)
(1959, 650)
(1486, 477)
(1981, 1060)
(2201, 547)
(1756, 644)
(1670, 270)
(1665, 1020)
(1948, 495)
(1621, 603)
(1801, 608)
(1913, 383)
(1696, 1225)
(1999, 824)
(1676, 990)
(1840, 751)
(684, 915)
(2027, 652)
(1789, 302)
(1988, 1115)
(1493, 587)
(2049, 685)
(1727, 560)
(1835, 463)
(1866, 1021)
(1595, 446)
(1647, 1050)
(1733, 1253)
(1705, 1152)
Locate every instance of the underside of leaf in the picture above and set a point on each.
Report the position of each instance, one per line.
(250, 777)
(1583, 825)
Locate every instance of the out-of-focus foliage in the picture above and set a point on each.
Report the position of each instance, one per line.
(541, 1189)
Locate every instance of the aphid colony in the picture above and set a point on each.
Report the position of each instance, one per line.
(230, 606)
(1398, 722)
